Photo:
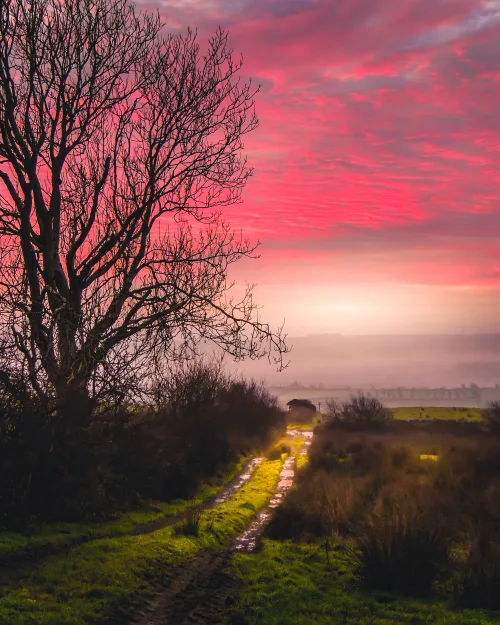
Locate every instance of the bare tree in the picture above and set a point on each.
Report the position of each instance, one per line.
(361, 409)
(333, 408)
(118, 147)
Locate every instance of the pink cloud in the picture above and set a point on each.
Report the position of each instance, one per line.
(378, 148)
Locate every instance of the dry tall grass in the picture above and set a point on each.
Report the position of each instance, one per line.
(405, 514)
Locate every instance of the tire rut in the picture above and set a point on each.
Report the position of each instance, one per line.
(203, 589)
(223, 494)
(199, 594)
(16, 567)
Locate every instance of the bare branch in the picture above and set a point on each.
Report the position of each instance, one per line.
(119, 148)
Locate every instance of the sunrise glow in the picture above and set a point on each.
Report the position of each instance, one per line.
(377, 159)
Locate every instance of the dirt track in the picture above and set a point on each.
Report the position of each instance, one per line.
(199, 593)
(22, 563)
(223, 494)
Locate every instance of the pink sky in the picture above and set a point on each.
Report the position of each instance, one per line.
(377, 159)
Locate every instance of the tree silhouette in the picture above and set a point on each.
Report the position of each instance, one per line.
(118, 147)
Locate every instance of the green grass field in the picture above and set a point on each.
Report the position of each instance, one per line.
(417, 412)
(413, 412)
(112, 576)
(51, 537)
(291, 584)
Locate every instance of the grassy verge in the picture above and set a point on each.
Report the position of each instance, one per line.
(296, 444)
(304, 427)
(417, 412)
(44, 538)
(292, 584)
(112, 576)
(285, 446)
(301, 462)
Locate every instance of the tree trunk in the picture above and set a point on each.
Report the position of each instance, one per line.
(74, 404)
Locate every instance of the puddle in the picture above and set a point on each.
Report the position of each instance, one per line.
(286, 480)
(307, 434)
(247, 541)
(243, 479)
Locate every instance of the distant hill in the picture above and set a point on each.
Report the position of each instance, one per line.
(388, 360)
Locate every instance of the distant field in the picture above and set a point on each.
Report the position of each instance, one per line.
(418, 412)
(318, 396)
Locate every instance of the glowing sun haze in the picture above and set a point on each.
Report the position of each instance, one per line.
(377, 159)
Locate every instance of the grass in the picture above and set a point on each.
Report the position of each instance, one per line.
(304, 427)
(52, 537)
(401, 551)
(291, 584)
(301, 462)
(417, 412)
(111, 577)
(296, 444)
(412, 412)
(292, 445)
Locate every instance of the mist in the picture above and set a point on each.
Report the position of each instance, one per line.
(335, 360)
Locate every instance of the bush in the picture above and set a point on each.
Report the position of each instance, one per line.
(305, 511)
(353, 454)
(361, 411)
(401, 458)
(479, 577)
(276, 452)
(406, 515)
(491, 415)
(466, 488)
(322, 506)
(201, 423)
(24, 442)
(401, 552)
(190, 526)
(478, 586)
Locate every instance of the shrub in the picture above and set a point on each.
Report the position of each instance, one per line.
(361, 411)
(303, 514)
(467, 489)
(402, 551)
(321, 506)
(401, 458)
(478, 586)
(491, 415)
(202, 421)
(353, 454)
(190, 525)
(276, 451)
(333, 409)
(479, 579)
(24, 441)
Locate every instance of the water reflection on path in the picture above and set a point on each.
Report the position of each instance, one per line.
(247, 541)
(308, 436)
(228, 492)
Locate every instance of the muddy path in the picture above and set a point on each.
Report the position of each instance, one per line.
(225, 493)
(199, 593)
(22, 563)
(203, 589)
(248, 541)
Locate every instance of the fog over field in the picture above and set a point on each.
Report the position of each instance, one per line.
(386, 361)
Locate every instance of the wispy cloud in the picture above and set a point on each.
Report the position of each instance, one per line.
(379, 134)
